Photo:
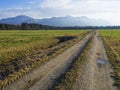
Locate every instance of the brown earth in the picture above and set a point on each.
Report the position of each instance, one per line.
(44, 76)
(96, 73)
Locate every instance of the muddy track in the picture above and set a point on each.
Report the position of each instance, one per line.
(96, 73)
(67, 58)
(45, 76)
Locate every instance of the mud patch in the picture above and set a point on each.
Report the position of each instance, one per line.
(65, 38)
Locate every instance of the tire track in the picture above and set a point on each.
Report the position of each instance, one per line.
(96, 73)
(43, 77)
(68, 57)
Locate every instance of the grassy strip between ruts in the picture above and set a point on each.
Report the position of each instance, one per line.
(26, 70)
(114, 60)
(68, 82)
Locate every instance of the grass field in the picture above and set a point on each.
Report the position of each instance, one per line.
(111, 40)
(16, 44)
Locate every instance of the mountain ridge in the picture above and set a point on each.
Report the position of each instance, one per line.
(56, 21)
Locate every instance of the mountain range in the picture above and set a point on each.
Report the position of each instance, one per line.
(56, 21)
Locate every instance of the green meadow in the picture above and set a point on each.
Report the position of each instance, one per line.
(16, 44)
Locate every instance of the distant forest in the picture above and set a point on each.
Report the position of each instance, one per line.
(26, 26)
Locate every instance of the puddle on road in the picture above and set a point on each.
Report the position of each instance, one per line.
(101, 62)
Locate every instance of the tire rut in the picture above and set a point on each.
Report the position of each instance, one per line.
(44, 77)
(49, 81)
(96, 73)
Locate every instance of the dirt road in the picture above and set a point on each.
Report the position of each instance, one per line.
(45, 76)
(66, 58)
(96, 73)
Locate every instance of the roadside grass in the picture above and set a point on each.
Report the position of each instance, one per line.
(69, 81)
(111, 39)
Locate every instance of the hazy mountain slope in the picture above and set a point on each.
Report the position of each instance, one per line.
(56, 21)
(18, 20)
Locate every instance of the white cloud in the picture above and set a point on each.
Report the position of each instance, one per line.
(82, 6)
(104, 9)
(61, 4)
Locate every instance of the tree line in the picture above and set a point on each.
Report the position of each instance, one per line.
(25, 26)
(32, 26)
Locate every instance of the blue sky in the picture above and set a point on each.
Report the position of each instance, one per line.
(100, 9)
(4, 4)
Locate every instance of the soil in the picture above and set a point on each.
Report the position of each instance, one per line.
(45, 76)
(96, 73)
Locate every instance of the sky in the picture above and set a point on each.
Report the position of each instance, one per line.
(108, 10)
